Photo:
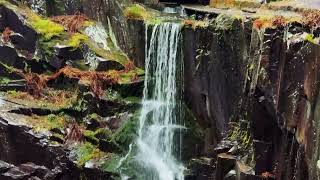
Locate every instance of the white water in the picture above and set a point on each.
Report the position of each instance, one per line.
(159, 126)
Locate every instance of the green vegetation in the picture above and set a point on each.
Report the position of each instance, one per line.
(90, 136)
(196, 24)
(4, 80)
(136, 11)
(125, 135)
(111, 163)
(53, 99)
(93, 116)
(225, 22)
(76, 39)
(310, 38)
(195, 132)
(94, 136)
(8, 68)
(86, 152)
(40, 123)
(46, 27)
(240, 135)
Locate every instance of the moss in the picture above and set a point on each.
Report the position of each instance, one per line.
(136, 11)
(4, 80)
(196, 131)
(53, 99)
(14, 94)
(111, 164)
(102, 133)
(76, 39)
(87, 152)
(133, 99)
(57, 136)
(93, 116)
(225, 22)
(8, 68)
(45, 27)
(80, 64)
(196, 24)
(47, 46)
(88, 23)
(310, 38)
(126, 134)
(40, 123)
(90, 136)
(96, 136)
(241, 135)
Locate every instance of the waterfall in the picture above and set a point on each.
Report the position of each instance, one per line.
(159, 126)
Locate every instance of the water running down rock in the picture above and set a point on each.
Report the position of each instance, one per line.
(158, 133)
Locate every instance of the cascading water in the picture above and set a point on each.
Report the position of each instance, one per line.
(158, 134)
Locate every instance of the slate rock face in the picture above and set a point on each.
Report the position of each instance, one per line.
(16, 24)
(130, 34)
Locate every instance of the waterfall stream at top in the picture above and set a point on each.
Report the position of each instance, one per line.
(160, 125)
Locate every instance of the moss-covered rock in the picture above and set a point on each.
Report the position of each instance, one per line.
(193, 135)
(86, 152)
(127, 133)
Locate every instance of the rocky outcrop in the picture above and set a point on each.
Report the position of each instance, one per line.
(129, 33)
(265, 77)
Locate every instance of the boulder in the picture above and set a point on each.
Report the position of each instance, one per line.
(225, 163)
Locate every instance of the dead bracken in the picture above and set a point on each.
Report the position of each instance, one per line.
(6, 35)
(276, 21)
(73, 23)
(311, 18)
(98, 81)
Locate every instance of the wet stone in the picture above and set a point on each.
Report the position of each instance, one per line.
(202, 168)
(244, 172)
(225, 163)
(5, 166)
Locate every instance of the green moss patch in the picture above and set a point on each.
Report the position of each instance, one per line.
(126, 134)
(86, 152)
(136, 11)
(139, 12)
(40, 123)
(53, 99)
(95, 136)
(45, 27)
(76, 39)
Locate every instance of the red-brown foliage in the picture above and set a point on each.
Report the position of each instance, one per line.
(35, 84)
(71, 22)
(311, 18)
(75, 134)
(278, 21)
(258, 24)
(135, 78)
(6, 35)
(129, 66)
(267, 175)
(98, 80)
